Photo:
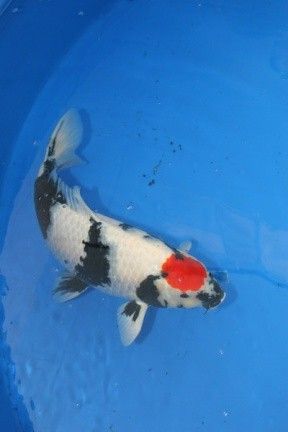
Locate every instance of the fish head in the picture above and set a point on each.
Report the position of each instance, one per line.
(190, 284)
(212, 294)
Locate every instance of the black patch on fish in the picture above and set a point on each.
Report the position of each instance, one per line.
(210, 300)
(51, 148)
(216, 286)
(164, 275)
(184, 295)
(147, 236)
(125, 226)
(132, 308)
(148, 292)
(94, 267)
(204, 297)
(46, 195)
(95, 245)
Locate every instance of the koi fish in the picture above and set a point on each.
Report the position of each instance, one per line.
(101, 252)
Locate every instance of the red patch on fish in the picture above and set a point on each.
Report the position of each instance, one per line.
(184, 273)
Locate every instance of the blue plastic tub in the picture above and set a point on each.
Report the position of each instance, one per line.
(186, 131)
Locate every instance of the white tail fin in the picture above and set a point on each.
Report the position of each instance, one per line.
(65, 139)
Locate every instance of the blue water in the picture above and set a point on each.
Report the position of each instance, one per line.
(186, 136)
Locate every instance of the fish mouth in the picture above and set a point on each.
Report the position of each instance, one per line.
(212, 299)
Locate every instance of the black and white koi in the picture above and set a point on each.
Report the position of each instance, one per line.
(102, 252)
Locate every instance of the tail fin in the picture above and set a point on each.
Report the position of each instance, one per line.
(65, 139)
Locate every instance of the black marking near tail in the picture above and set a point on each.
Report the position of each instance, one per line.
(46, 195)
(148, 292)
(94, 267)
(51, 148)
(132, 308)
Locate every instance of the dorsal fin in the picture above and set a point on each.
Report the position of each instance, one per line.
(73, 197)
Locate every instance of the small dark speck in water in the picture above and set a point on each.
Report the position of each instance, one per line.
(156, 167)
(175, 146)
(155, 170)
(150, 369)
(32, 404)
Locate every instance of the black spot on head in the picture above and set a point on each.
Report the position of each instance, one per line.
(94, 267)
(132, 308)
(148, 292)
(46, 195)
(216, 286)
(184, 295)
(147, 236)
(125, 226)
(210, 300)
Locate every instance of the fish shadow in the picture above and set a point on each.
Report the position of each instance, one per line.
(148, 325)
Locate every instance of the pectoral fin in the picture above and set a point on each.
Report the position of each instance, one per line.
(185, 246)
(68, 287)
(130, 319)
